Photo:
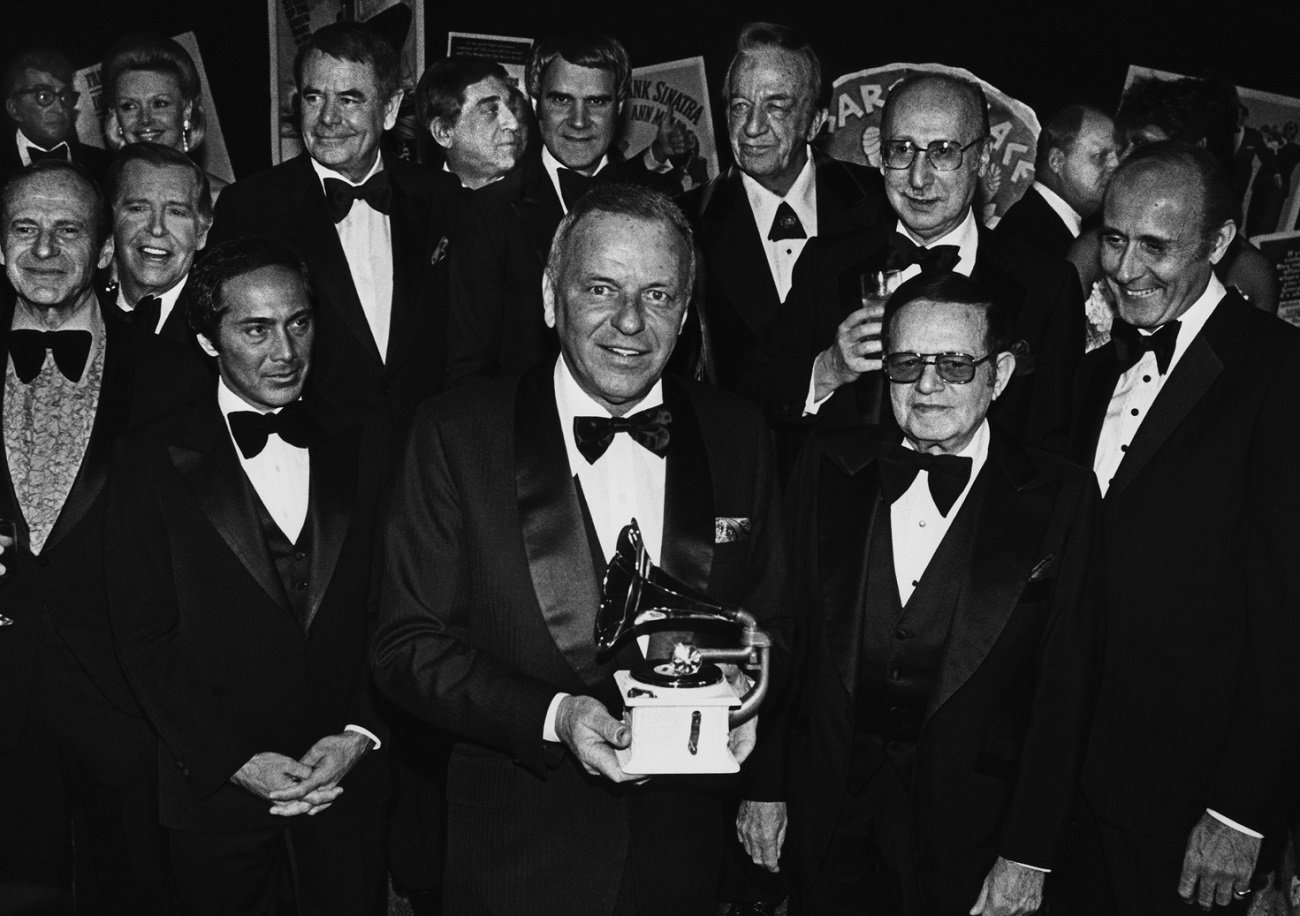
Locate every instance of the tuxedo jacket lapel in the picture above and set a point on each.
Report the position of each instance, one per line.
(743, 271)
(689, 519)
(333, 485)
(409, 243)
(207, 462)
(550, 518)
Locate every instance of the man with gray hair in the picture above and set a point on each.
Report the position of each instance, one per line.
(511, 496)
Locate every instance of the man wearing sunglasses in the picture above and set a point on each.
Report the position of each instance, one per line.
(42, 106)
(935, 146)
(951, 635)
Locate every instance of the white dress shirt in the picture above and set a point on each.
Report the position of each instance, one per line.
(280, 473)
(916, 526)
(1136, 390)
(967, 239)
(625, 483)
(167, 301)
(367, 239)
(553, 166)
(802, 198)
(1073, 221)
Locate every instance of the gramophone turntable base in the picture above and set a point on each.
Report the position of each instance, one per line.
(676, 729)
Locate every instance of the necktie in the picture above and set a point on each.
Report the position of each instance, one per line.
(60, 152)
(251, 429)
(147, 312)
(1130, 344)
(376, 191)
(903, 253)
(948, 474)
(647, 427)
(573, 185)
(786, 225)
(28, 349)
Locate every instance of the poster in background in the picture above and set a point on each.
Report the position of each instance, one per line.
(212, 155)
(1283, 249)
(856, 104)
(1268, 154)
(508, 51)
(676, 90)
(290, 22)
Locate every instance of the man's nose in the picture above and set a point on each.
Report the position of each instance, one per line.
(579, 116)
(930, 380)
(920, 171)
(630, 317)
(756, 122)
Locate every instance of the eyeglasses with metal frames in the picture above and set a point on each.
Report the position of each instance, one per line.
(958, 368)
(944, 155)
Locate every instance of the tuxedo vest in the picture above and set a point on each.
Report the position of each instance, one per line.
(292, 560)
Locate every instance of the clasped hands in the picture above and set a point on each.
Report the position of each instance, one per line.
(306, 786)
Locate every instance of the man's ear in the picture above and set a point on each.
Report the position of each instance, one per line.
(1005, 367)
(1220, 239)
(390, 109)
(441, 132)
(206, 344)
(548, 299)
(819, 119)
(106, 253)
(12, 108)
(1056, 161)
(986, 156)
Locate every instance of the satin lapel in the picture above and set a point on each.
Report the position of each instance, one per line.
(1097, 378)
(333, 487)
(207, 463)
(1188, 382)
(848, 497)
(1012, 519)
(316, 238)
(689, 516)
(555, 541)
(409, 243)
(539, 207)
(110, 419)
(741, 269)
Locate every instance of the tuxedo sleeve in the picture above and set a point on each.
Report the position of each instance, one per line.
(1254, 779)
(1066, 671)
(426, 657)
(144, 610)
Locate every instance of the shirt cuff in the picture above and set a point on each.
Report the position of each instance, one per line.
(1233, 824)
(811, 403)
(653, 164)
(1046, 871)
(367, 732)
(548, 727)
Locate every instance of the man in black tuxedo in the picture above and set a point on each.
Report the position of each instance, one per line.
(162, 211)
(935, 145)
(238, 585)
(578, 82)
(952, 636)
(42, 106)
(508, 502)
(1190, 418)
(371, 229)
(75, 750)
(464, 104)
(1076, 155)
(754, 221)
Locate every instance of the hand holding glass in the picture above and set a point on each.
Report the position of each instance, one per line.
(8, 538)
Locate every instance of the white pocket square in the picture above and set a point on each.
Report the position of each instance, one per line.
(728, 530)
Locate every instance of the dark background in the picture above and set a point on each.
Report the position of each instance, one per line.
(1046, 54)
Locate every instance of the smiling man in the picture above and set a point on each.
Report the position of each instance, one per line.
(488, 601)
(368, 226)
(238, 592)
(162, 210)
(1190, 417)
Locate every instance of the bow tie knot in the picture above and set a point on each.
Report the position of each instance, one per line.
(573, 185)
(376, 191)
(59, 152)
(1130, 344)
(28, 349)
(648, 428)
(947, 475)
(903, 253)
(786, 225)
(251, 429)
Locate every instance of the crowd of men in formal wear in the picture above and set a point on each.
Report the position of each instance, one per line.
(315, 483)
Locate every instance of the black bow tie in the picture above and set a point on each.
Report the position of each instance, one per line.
(647, 427)
(948, 474)
(28, 349)
(251, 429)
(573, 185)
(376, 191)
(786, 225)
(903, 253)
(1130, 344)
(147, 312)
(60, 152)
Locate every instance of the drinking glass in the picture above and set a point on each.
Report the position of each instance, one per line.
(8, 537)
